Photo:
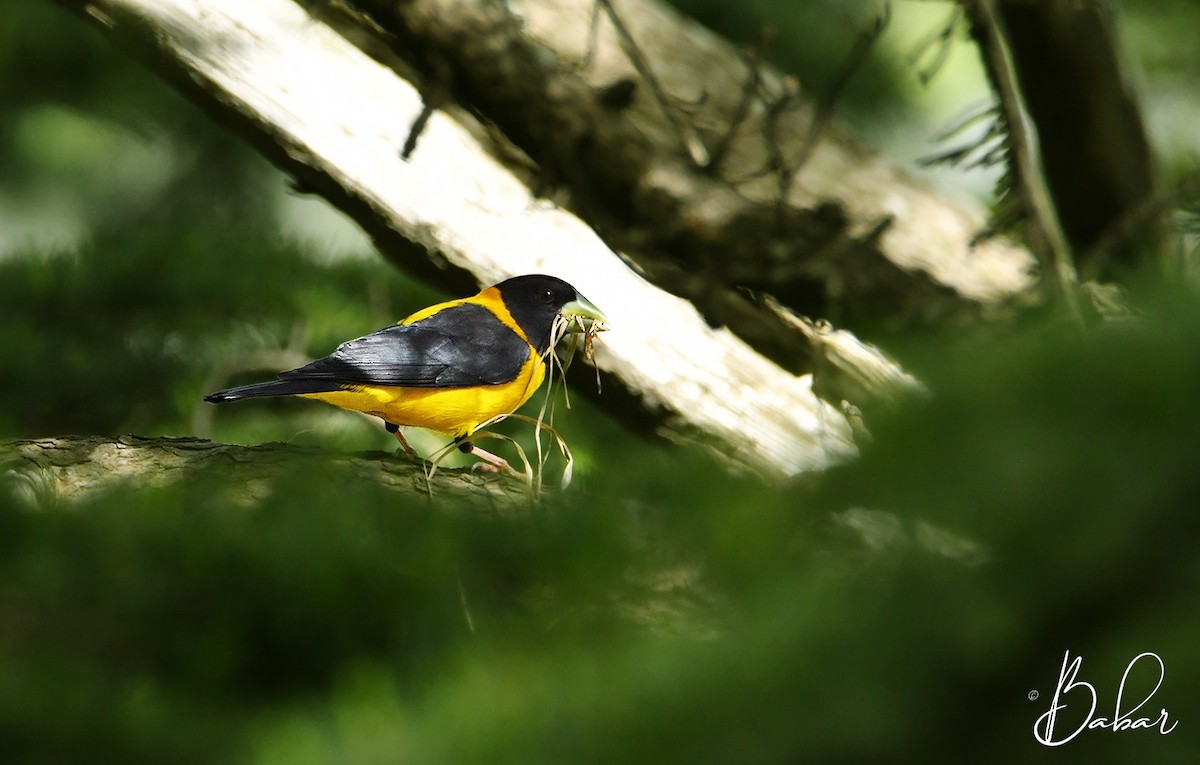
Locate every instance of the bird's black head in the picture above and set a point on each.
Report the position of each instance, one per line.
(535, 300)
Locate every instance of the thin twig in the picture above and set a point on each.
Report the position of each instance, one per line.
(740, 113)
(854, 60)
(1125, 226)
(940, 42)
(776, 106)
(685, 132)
(593, 37)
(776, 160)
(415, 130)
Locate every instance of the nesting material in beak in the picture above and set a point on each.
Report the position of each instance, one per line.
(583, 316)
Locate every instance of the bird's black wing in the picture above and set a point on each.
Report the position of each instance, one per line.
(458, 347)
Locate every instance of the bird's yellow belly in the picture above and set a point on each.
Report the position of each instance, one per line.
(454, 411)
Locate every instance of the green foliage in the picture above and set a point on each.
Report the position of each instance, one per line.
(109, 335)
(667, 613)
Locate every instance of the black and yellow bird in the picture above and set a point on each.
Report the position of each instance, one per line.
(448, 368)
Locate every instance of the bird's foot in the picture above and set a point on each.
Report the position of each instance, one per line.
(491, 463)
(394, 430)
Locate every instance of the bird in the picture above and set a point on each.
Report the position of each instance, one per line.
(448, 368)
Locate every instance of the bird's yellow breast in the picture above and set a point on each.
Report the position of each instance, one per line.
(454, 411)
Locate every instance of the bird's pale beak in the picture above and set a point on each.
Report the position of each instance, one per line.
(583, 309)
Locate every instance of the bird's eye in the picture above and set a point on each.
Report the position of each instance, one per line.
(546, 297)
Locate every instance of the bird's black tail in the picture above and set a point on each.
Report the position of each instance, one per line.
(273, 388)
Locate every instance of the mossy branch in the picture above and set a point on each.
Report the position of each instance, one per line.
(52, 472)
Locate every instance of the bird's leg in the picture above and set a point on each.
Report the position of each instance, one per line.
(411, 452)
(395, 431)
(491, 463)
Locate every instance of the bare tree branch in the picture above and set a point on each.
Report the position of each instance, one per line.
(47, 472)
(1049, 241)
(1095, 153)
(858, 237)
